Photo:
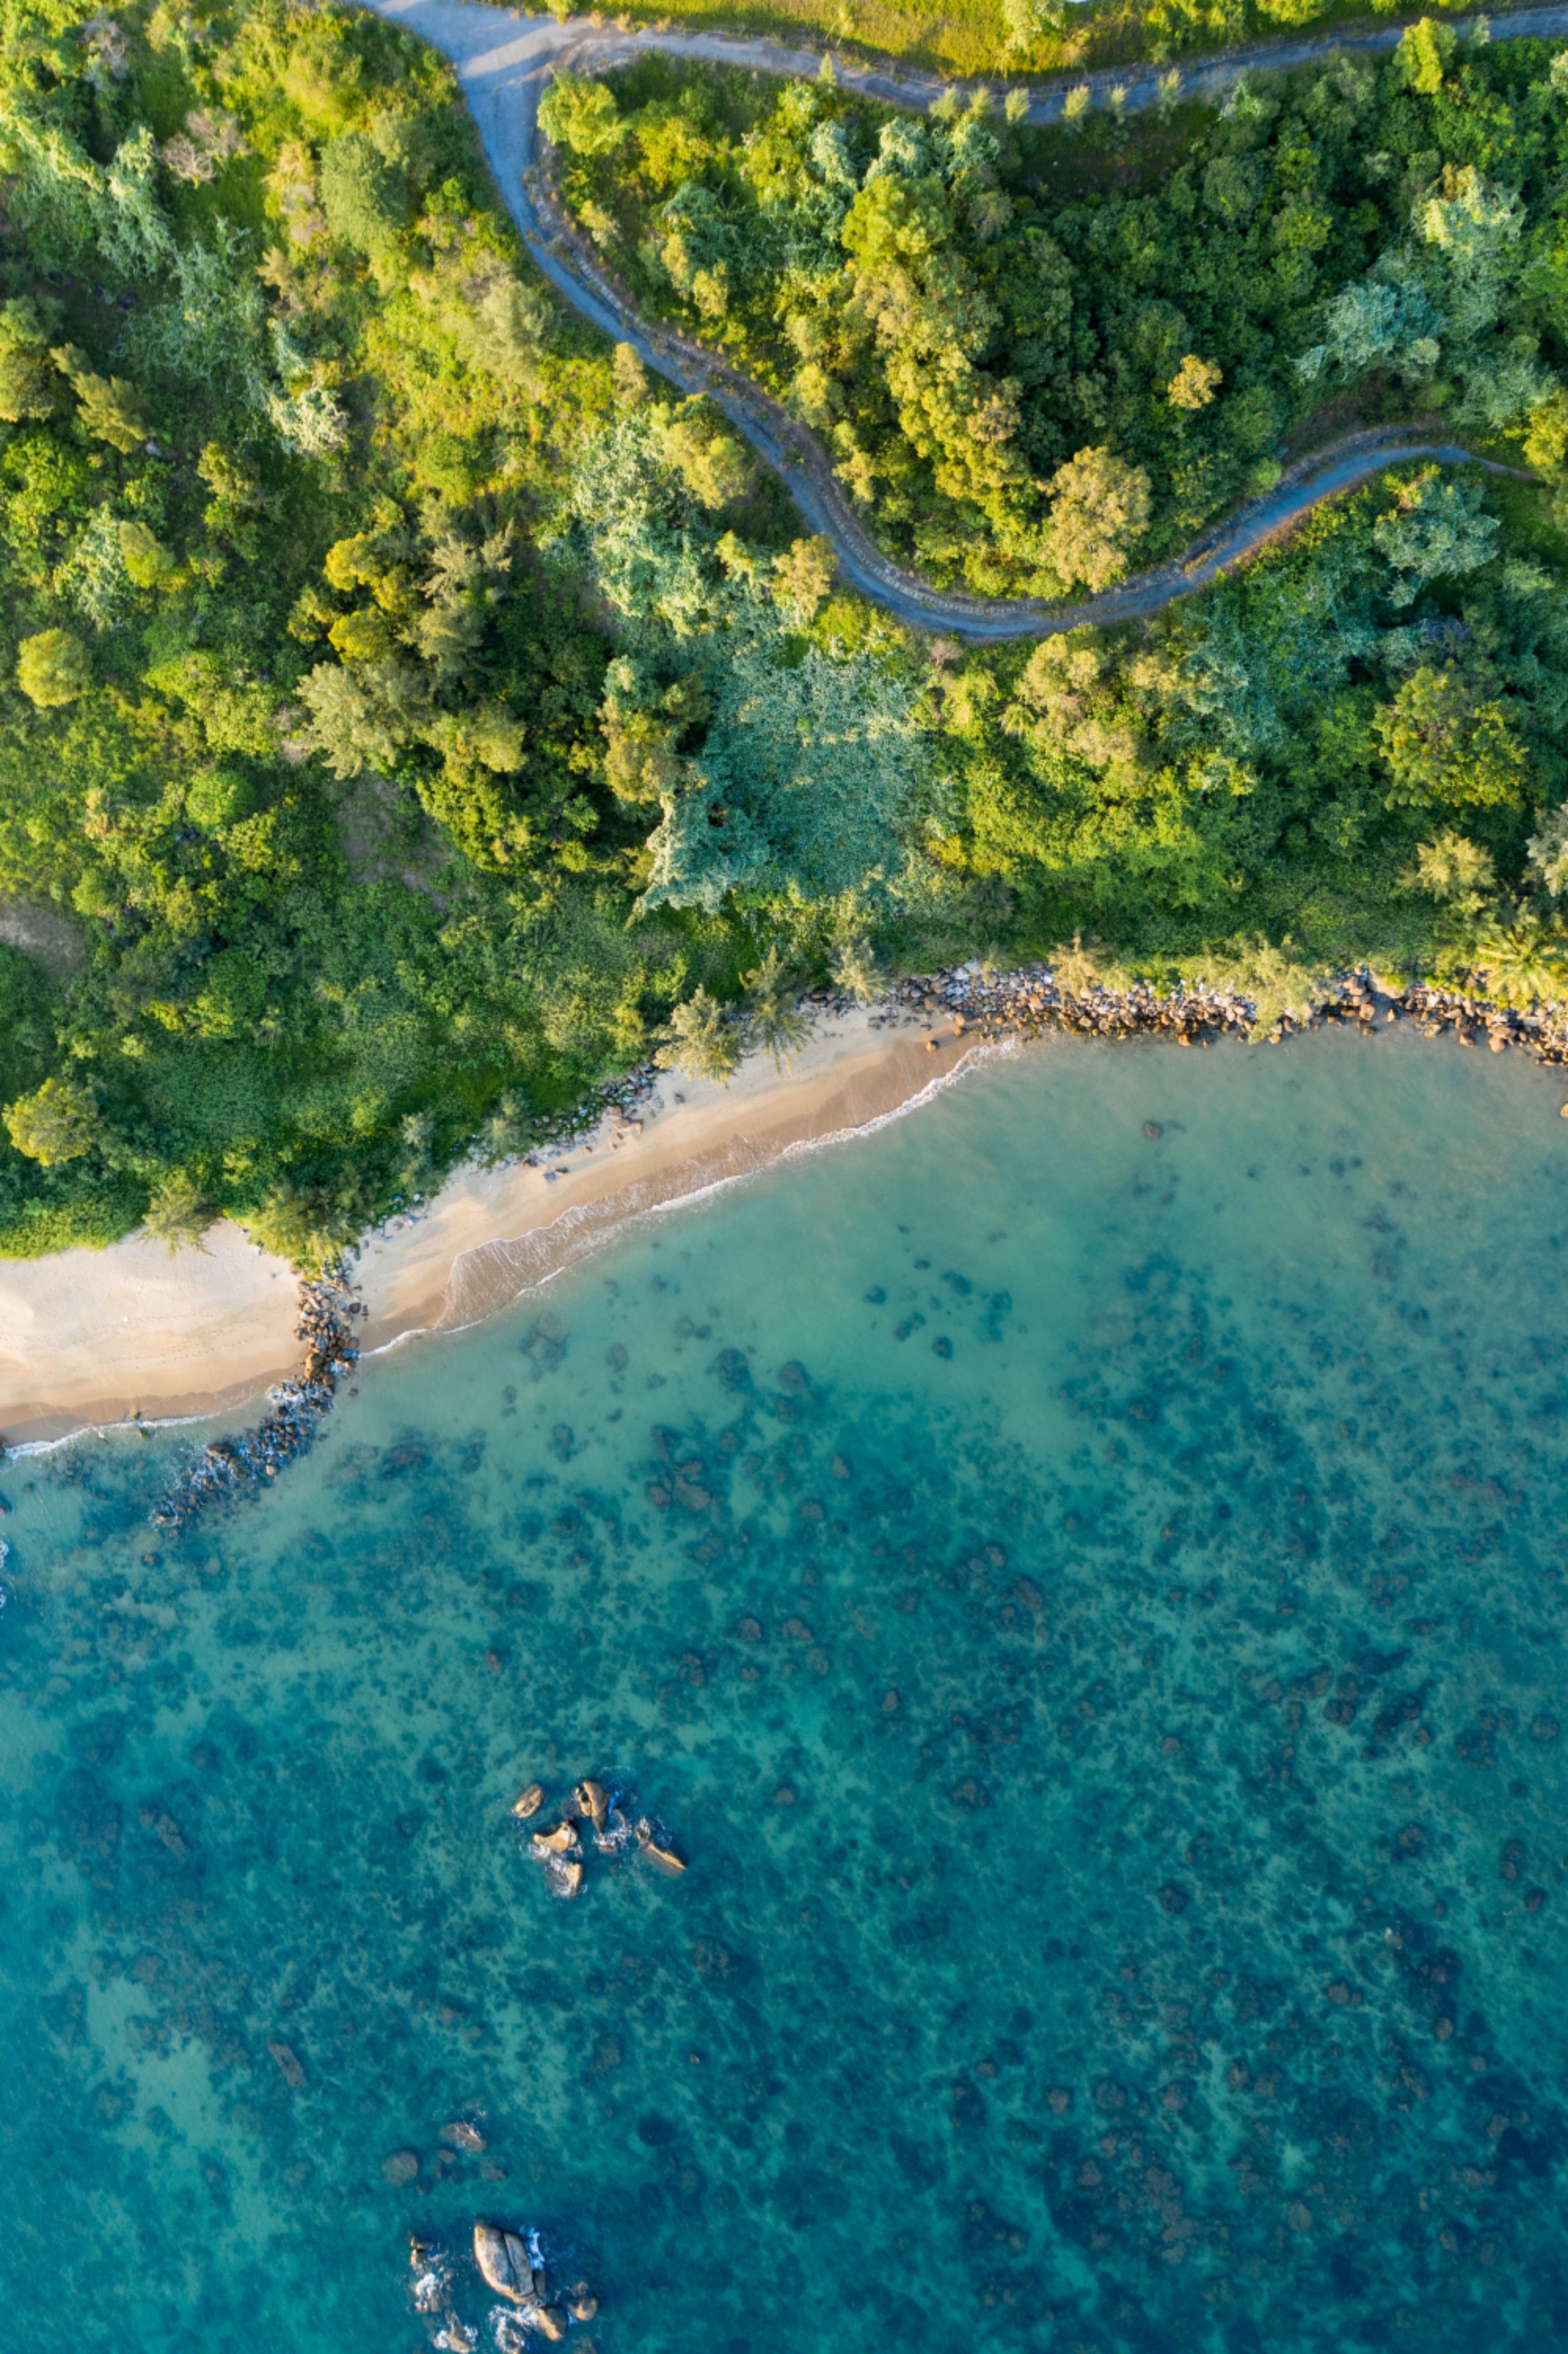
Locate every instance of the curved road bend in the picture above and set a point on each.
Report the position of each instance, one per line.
(504, 63)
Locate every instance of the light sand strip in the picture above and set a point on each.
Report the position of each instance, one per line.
(91, 1337)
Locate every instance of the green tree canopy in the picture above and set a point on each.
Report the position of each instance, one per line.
(58, 1122)
(1446, 738)
(365, 198)
(53, 668)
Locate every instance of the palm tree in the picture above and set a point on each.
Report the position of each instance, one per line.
(1525, 960)
(700, 1039)
(777, 1023)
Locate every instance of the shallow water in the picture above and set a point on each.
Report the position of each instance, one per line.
(1107, 1694)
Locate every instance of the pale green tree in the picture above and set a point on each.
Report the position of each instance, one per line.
(581, 115)
(1099, 504)
(803, 577)
(1454, 869)
(180, 1212)
(1195, 383)
(710, 462)
(53, 668)
(111, 409)
(700, 1039)
(855, 970)
(1523, 961)
(58, 1122)
(1425, 53)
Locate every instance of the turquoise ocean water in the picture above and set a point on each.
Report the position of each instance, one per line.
(1088, 1607)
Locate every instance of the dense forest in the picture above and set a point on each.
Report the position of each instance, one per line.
(412, 713)
(1025, 378)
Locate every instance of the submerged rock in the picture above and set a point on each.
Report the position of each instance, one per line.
(581, 2302)
(462, 2135)
(402, 2166)
(289, 2064)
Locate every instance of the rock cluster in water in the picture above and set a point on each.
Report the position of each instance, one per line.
(512, 2263)
(225, 1465)
(610, 1818)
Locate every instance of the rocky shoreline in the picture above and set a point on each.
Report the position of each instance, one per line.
(224, 1467)
(969, 1005)
(1029, 1002)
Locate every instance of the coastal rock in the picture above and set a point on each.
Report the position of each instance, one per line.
(400, 2168)
(504, 2262)
(663, 1858)
(559, 1841)
(569, 1879)
(595, 1805)
(532, 1800)
(549, 2321)
(461, 2134)
(581, 2302)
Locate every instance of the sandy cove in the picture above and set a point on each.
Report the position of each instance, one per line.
(91, 1337)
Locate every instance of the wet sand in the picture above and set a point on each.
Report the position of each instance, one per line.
(92, 1337)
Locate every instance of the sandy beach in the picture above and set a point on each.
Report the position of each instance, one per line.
(92, 1337)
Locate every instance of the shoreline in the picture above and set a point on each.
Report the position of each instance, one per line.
(132, 1336)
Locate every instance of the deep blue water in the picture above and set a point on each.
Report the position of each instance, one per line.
(1088, 1605)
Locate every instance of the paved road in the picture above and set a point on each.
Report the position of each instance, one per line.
(504, 63)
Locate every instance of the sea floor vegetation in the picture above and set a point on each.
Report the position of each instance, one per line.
(414, 717)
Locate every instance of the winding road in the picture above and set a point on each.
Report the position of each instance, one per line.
(503, 64)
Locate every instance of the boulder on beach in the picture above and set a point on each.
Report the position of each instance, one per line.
(504, 2262)
(532, 1800)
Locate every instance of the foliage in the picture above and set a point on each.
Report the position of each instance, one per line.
(364, 200)
(1027, 384)
(179, 1212)
(700, 1039)
(1446, 740)
(417, 711)
(1455, 870)
(53, 668)
(1100, 506)
(773, 1015)
(854, 969)
(56, 1122)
